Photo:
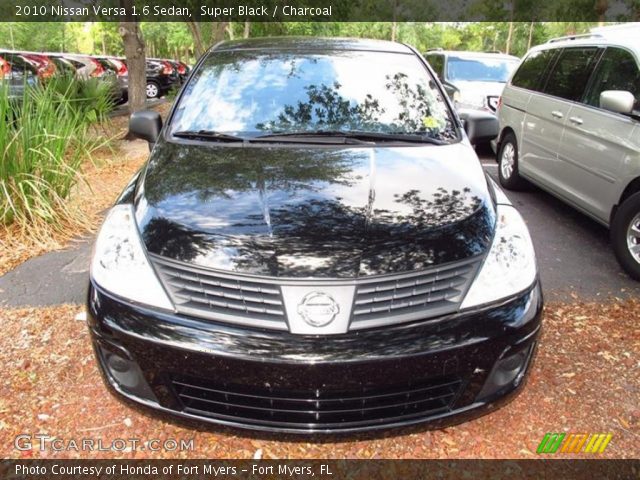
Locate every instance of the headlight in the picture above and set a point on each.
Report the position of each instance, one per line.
(120, 264)
(510, 266)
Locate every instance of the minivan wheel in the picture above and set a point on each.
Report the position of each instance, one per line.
(508, 164)
(625, 235)
(152, 90)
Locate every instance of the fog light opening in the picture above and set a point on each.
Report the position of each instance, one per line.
(508, 371)
(125, 374)
(122, 370)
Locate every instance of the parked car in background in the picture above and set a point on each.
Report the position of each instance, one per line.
(16, 73)
(181, 68)
(313, 246)
(45, 67)
(161, 77)
(63, 66)
(118, 68)
(472, 79)
(570, 123)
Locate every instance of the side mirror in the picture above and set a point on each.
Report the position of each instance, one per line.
(146, 124)
(481, 127)
(619, 101)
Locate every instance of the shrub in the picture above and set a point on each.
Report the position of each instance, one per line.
(43, 141)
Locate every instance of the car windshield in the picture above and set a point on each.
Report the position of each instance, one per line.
(256, 93)
(480, 69)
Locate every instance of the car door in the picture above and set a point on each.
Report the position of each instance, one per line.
(596, 141)
(547, 113)
(527, 109)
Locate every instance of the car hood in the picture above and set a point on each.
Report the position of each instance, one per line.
(292, 211)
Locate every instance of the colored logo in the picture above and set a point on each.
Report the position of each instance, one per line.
(574, 443)
(318, 309)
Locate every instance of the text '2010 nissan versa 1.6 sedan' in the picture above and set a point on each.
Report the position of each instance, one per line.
(314, 247)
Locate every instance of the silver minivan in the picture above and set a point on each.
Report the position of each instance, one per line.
(570, 124)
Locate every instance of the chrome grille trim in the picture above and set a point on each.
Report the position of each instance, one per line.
(257, 301)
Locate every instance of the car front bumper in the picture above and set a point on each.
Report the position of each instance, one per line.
(440, 371)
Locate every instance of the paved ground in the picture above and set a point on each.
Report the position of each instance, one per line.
(573, 251)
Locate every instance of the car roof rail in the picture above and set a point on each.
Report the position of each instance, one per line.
(575, 37)
(439, 49)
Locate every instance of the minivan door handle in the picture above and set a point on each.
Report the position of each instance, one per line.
(576, 120)
(557, 114)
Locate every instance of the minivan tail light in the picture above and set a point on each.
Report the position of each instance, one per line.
(182, 69)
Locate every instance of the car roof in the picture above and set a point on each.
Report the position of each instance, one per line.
(625, 35)
(320, 44)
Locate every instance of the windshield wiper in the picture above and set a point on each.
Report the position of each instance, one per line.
(209, 135)
(354, 135)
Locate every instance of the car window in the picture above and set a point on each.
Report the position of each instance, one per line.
(571, 72)
(437, 63)
(251, 93)
(617, 70)
(480, 69)
(533, 69)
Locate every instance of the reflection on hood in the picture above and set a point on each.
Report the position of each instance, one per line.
(315, 212)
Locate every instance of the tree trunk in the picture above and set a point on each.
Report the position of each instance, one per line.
(197, 38)
(509, 36)
(134, 50)
(601, 9)
(217, 31)
(247, 29)
(530, 36)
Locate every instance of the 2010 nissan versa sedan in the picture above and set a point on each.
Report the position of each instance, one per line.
(313, 246)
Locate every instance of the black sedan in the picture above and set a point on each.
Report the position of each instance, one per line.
(313, 247)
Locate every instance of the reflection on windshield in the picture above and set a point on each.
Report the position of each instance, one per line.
(480, 70)
(250, 93)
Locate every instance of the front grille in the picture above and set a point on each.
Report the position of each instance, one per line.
(258, 301)
(200, 292)
(315, 409)
(429, 293)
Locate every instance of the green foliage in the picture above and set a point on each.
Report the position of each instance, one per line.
(44, 137)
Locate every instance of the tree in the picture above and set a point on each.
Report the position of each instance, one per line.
(134, 51)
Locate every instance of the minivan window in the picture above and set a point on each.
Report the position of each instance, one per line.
(480, 69)
(251, 93)
(570, 74)
(617, 70)
(532, 70)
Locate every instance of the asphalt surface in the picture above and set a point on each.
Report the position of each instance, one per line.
(574, 257)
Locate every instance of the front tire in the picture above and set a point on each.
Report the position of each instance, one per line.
(508, 164)
(625, 235)
(153, 90)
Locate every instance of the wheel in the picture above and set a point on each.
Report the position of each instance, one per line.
(508, 164)
(625, 235)
(153, 91)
